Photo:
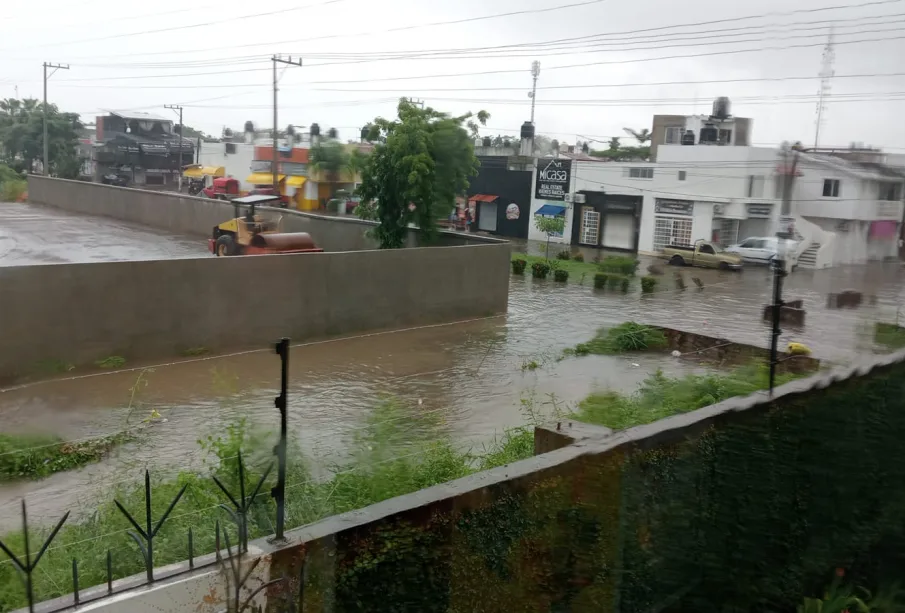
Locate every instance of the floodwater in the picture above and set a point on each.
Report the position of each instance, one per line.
(32, 234)
(469, 374)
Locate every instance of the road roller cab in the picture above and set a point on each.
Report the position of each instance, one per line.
(253, 233)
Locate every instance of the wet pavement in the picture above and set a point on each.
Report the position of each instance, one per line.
(33, 234)
(469, 375)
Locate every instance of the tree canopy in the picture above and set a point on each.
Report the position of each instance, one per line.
(422, 162)
(22, 136)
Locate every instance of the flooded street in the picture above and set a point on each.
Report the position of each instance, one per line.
(33, 234)
(470, 374)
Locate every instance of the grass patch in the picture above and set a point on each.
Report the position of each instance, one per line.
(112, 362)
(53, 367)
(13, 190)
(620, 265)
(624, 338)
(192, 352)
(36, 456)
(660, 396)
(576, 269)
(399, 450)
(889, 335)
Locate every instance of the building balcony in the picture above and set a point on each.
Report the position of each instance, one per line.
(861, 210)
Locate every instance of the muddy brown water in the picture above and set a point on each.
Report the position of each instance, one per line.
(469, 374)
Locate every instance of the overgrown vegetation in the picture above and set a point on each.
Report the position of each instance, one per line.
(37, 456)
(660, 396)
(111, 362)
(619, 264)
(649, 284)
(625, 337)
(397, 451)
(612, 281)
(889, 335)
(22, 137)
(577, 269)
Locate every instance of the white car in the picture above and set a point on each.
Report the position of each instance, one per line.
(762, 249)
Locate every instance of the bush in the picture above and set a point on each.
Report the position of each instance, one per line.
(578, 257)
(629, 336)
(565, 254)
(619, 264)
(648, 284)
(600, 280)
(12, 191)
(561, 275)
(518, 267)
(540, 270)
(614, 282)
(623, 285)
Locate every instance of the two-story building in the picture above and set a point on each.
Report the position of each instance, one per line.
(145, 149)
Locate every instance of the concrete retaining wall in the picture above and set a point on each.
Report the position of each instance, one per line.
(193, 216)
(79, 313)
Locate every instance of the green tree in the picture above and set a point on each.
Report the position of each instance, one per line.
(550, 226)
(423, 161)
(614, 144)
(328, 158)
(22, 137)
(643, 136)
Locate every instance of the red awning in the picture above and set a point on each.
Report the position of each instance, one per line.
(482, 198)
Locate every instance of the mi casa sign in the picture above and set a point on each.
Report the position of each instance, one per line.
(553, 178)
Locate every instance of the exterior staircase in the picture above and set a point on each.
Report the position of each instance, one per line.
(808, 257)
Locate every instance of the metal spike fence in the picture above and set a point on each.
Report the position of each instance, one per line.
(237, 506)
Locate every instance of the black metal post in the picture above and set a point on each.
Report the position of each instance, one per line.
(279, 491)
(779, 272)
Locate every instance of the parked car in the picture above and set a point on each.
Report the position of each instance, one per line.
(703, 254)
(762, 249)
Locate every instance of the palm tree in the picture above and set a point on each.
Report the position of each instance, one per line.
(642, 136)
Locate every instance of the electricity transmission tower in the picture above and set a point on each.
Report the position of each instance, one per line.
(826, 83)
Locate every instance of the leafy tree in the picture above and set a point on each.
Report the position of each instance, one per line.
(328, 158)
(643, 136)
(423, 161)
(543, 143)
(356, 163)
(585, 147)
(614, 144)
(554, 146)
(22, 137)
(550, 226)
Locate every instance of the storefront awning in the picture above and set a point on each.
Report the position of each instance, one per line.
(482, 198)
(296, 181)
(551, 209)
(197, 172)
(262, 178)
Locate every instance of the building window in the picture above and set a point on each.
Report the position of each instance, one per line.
(673, 135)
(755, 186)
(891, 191)
(590, 226)
(641, 173)
(725, 137)
(230, 148)
(831, 188)
(682, 175)
(154, 180)
(671, 231)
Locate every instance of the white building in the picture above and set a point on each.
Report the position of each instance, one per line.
(846, 205)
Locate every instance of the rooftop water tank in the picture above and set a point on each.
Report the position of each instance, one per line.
(527, 130)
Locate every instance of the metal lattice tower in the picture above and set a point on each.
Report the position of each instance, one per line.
(535, 73)
(827, 71)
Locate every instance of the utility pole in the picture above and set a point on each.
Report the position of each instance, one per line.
(56, 67)
(177, 107)
(275, 166)
(535, 73)
(785, 232)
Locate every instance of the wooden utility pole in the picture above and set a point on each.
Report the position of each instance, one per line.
(275, 166)
(45, 160)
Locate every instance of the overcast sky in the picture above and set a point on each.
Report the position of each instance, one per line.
(214, 59)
